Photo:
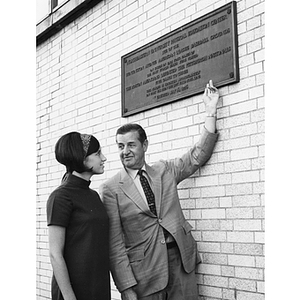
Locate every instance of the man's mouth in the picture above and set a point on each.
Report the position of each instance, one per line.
(127, 157)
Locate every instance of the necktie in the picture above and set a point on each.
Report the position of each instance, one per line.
(148, 192)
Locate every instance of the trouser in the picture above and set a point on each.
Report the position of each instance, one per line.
(181, 286)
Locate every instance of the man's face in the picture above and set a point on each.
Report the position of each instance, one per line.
(131, 150)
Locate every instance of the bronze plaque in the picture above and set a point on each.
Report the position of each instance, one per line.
(180, 63)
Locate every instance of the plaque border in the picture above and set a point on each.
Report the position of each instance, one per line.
(235, 77)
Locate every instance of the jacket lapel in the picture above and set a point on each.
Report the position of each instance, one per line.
(129, 188)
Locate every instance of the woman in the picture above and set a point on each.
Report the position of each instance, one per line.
(78, 223)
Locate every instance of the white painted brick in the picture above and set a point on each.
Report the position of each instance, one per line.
(250, 296)
(243, 107)
(213, 213)
(260, 287)
(249, 249)
(253, 23)
(210, 291)
(260, 56)
(239, 213)
(195, 214)
(241, 237)
(226, 202)
(235, 98)
(227, 271)
(247, 225)
(209, 247)
(212, 169)
(258, 139)
(226, 225)
(242, 284)
(78, 87)
(239, 189)
(215, 281)
(259, 237)
(213, 191)
(227, 247)
(209, 269)
(255, 68)
(208, 224)
(241, 260)
(259, 212)
(194, 193)
(242, 177)
(246, 201)
(256, 92)
(246, 153)
(177, 114)
(237, 143)
(260, 262)
(245, 15)
(236, 166)
(225, 179)
(207, 180)
(259, 8)
(216, 236)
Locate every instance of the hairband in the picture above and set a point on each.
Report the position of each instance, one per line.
(85, 138)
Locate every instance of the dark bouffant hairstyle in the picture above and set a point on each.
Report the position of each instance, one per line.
(133, 127)
(69, 151)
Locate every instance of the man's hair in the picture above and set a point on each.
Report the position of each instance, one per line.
(133, 127)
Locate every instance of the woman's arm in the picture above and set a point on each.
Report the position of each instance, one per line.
(56, 248)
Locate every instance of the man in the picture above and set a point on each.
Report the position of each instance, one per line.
(153, 254)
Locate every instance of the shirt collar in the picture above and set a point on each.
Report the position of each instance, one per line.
(133, 173)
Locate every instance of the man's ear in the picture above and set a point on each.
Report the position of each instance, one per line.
(145, 145)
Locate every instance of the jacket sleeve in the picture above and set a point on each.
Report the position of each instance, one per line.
(197, 156)
(119, 262)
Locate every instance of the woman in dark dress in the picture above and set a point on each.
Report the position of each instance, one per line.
(78, 224)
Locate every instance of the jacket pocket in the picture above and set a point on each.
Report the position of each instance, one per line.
(136, 255)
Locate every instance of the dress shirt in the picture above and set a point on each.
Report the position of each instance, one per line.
(136, 179)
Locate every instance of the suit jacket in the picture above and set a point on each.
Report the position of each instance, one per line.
(138, 252)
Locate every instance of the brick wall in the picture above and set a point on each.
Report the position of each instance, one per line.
(79, 88)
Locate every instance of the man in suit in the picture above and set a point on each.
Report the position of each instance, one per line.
(152, 251)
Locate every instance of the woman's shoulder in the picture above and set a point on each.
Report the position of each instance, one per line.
(61, 193)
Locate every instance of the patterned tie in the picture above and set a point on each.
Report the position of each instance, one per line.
(148, 192)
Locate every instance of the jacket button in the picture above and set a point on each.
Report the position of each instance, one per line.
(163, 241)
(159, 220)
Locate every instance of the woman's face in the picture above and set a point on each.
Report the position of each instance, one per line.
(95, 161)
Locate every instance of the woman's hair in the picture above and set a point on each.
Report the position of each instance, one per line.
(133, 127)
(72, 148)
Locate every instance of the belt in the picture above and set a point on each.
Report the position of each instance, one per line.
(171, 245)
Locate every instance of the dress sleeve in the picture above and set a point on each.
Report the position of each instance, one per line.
(59, 209)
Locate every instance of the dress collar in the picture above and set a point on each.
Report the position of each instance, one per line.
(80, 182)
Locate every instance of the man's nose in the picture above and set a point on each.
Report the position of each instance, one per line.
(126, 150)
